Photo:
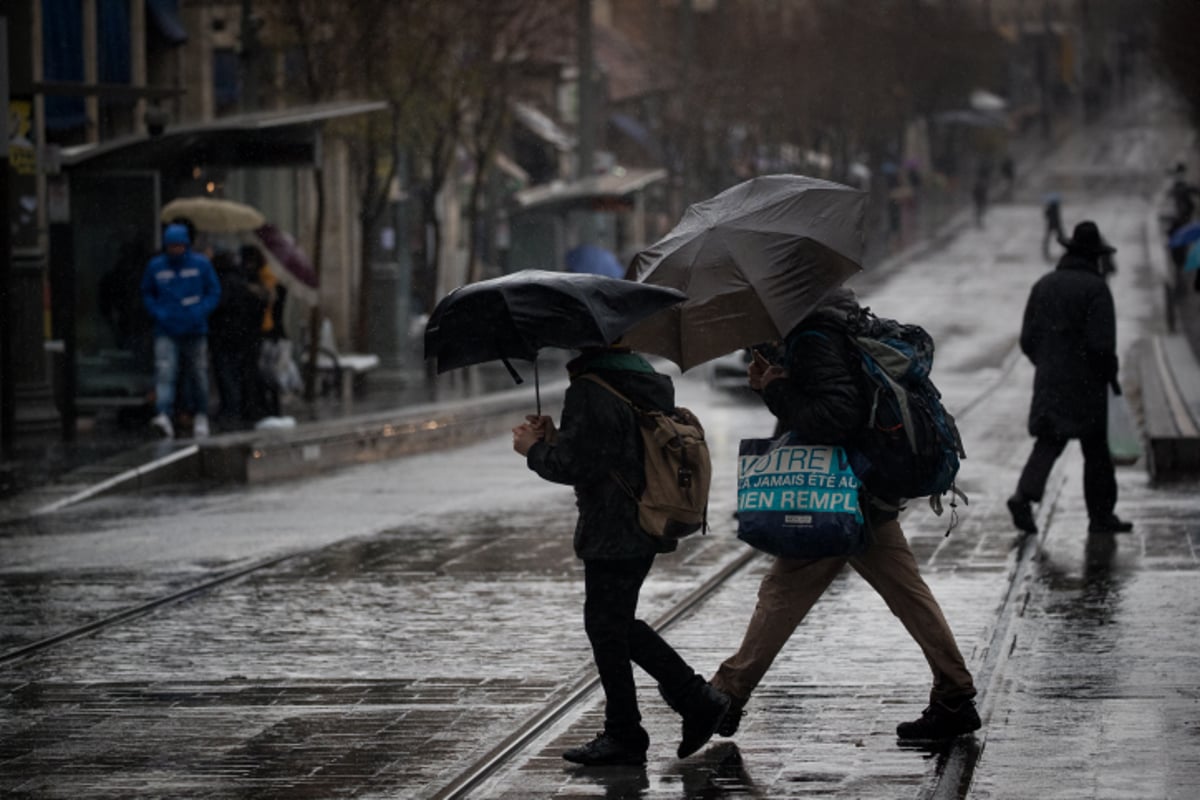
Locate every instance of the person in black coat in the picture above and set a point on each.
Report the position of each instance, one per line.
(234, 337)
(1070, 334)
(819, 394)
(598, 449)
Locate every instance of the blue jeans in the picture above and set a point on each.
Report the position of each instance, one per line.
(169, 353)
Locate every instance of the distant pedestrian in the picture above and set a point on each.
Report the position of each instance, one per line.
(1052, 212)
(817, 394)
(1181, 193)
(1070, 334)
(598, 451)
(180, 289)
(235, 334)
(1008, 171)
(979, 193)
(263, 393)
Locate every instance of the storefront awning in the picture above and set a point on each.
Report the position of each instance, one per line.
(542, 126)
(263, 139)
(586, 192)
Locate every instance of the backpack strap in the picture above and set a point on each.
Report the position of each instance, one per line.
(596, 379)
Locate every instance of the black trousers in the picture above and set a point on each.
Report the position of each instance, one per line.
(619, 640)
(1099, 478)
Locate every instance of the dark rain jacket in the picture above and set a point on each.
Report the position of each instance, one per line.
(825, 398)
(1070, 334)
(598, 434)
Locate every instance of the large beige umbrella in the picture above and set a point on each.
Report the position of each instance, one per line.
(753, 261)
(214, 215)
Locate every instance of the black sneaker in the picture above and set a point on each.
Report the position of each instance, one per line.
(939, 721)
(604, 750)
(1110, 524)
(733, 717)
(1022, 514)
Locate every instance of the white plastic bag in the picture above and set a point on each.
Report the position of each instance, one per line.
(1124, 443)
(278, 368)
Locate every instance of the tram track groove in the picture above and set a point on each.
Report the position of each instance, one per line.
(142, 609)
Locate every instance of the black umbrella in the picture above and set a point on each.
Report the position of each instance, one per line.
(517, 315)
(754, 260)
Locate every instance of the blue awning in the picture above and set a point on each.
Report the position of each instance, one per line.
(639, 133)
(165, 15)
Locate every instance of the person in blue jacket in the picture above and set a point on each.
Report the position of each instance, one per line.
(180, 289)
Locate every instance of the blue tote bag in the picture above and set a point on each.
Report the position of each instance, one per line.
(798, 501)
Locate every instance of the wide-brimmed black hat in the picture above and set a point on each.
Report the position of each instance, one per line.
(1086, 241)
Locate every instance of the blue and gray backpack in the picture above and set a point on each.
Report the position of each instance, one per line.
(912, 447)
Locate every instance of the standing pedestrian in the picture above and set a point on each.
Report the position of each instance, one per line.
(263, 395)
(1008, 171)
(180, 289)
(819, 395)
(1181, 193)
(598, 450)
(234, 337)
(979, 193)
(1070, 334)
(1052, 212)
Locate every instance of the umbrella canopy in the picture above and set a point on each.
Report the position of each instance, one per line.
(213, 214)
(516, 315)
(287, 261)
(753, 261)
(593, 260)
(1185, 235)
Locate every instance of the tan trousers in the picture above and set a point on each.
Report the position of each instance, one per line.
(791, 587)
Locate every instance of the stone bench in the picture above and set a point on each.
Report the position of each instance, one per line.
(345, 369)
(1170, 377)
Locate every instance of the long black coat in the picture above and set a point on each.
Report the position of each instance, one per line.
(1070, 334)
(598, 434)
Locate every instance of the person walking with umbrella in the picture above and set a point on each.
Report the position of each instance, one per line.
(598, 450)
(1069, 332)
(817, 395)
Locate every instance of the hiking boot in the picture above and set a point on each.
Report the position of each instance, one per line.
(939, 721)
(1022, 514)
(162, 426)
(605, 750)
(733, 717)
(200, 427)
(1110, 524)
(702, 707)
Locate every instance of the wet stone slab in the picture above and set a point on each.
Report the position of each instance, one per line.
(1105, 661)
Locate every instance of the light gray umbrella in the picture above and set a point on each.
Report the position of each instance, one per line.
(753, 261)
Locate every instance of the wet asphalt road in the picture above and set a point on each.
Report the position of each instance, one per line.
(433, 604)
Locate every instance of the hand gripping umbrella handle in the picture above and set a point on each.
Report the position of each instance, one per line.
(518, 379)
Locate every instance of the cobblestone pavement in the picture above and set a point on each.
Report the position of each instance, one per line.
(431, 606)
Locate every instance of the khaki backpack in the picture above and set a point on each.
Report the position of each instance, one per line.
(678, 470)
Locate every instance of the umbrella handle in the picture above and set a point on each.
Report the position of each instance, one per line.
(537, 387)
(516, 378)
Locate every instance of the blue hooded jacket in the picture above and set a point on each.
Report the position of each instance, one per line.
(180, 291)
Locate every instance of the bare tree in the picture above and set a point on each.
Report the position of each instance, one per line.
(500, 37)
